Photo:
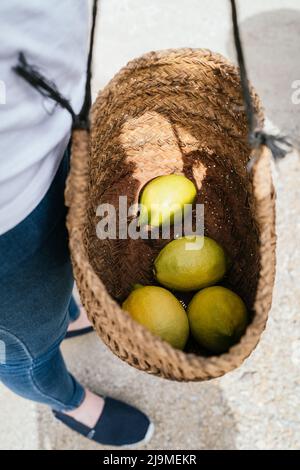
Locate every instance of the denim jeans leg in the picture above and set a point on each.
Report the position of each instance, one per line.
(36, 283)
(44, 379)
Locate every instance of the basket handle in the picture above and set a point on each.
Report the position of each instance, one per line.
(278, 145)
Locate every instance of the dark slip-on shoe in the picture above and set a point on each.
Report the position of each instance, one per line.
(119, 425)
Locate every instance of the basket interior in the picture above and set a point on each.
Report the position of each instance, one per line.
(173, 115)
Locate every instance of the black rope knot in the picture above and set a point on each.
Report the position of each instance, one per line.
(45, 87)
(49, 89)
(278, 144)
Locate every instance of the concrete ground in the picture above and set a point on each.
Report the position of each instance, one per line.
(256, 406)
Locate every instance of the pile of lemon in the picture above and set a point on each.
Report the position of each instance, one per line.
(216, 317)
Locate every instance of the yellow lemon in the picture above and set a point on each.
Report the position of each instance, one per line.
(164, 197)
(218, 318)
(159, 311)
(190, 263)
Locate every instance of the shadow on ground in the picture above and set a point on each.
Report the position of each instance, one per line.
(271, 44)
(186, 415)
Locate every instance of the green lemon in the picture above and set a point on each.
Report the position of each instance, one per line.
(190, 263)
(218, 318)
(164, 197)
(159, 311)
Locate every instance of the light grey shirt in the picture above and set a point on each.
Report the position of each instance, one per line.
(34, 132)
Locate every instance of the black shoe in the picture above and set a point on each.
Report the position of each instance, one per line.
(119, 425)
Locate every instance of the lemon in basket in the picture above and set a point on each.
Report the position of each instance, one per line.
(164, 197)
(218, 318)
(190, 263)
(159, 311)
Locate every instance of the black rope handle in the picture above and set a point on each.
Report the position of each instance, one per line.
(84, 113)
(278, 144)
(47, 88)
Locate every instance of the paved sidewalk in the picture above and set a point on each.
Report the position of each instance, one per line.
(256, 406)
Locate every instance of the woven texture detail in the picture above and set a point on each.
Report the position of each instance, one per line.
(171, 111)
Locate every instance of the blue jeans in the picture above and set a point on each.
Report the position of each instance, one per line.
(36, 303)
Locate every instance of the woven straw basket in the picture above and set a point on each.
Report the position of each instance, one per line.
(175, 111)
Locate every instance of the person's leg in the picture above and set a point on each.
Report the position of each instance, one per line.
(73, 309)
(36, 283)
(43, 379)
